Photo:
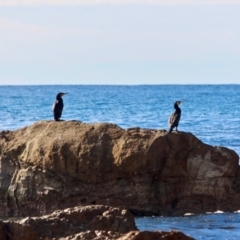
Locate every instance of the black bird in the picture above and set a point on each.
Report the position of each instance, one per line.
(175, 117)
(58, 106)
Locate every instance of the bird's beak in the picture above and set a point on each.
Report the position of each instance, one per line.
(179, 102)
(64, 94)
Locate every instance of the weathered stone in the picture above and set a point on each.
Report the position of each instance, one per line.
(55, 165)
(87, 222)
(94, 222)
(16, 231)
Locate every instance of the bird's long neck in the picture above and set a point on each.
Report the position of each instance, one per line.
(178, 109)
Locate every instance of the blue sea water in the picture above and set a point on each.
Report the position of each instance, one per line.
(214, 226)
(210, 112)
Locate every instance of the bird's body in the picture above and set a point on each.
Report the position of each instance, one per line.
(58, 106)
(175, 117)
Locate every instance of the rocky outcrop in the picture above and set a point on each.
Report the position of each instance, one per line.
(158, 235)
(86, 223)
(56, 165)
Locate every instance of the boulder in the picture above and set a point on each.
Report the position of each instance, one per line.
(56, 165)
(95, 222)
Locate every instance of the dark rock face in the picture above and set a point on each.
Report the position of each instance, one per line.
(57, 165)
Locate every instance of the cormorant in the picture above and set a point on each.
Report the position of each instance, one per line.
(58, 106)
(175, 117)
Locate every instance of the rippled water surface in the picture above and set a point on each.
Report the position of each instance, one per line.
(210, 112)
(225, 226)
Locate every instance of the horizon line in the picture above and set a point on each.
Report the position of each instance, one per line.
(156, 84)
(32, 3)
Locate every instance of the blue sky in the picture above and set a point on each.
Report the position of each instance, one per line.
(120, 42)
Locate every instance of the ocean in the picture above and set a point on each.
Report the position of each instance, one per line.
(210, 112)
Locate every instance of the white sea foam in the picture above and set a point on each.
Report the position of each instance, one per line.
(218, 211)
(188, 214)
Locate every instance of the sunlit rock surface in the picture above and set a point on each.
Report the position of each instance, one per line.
(95, 222)
(56, 165)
